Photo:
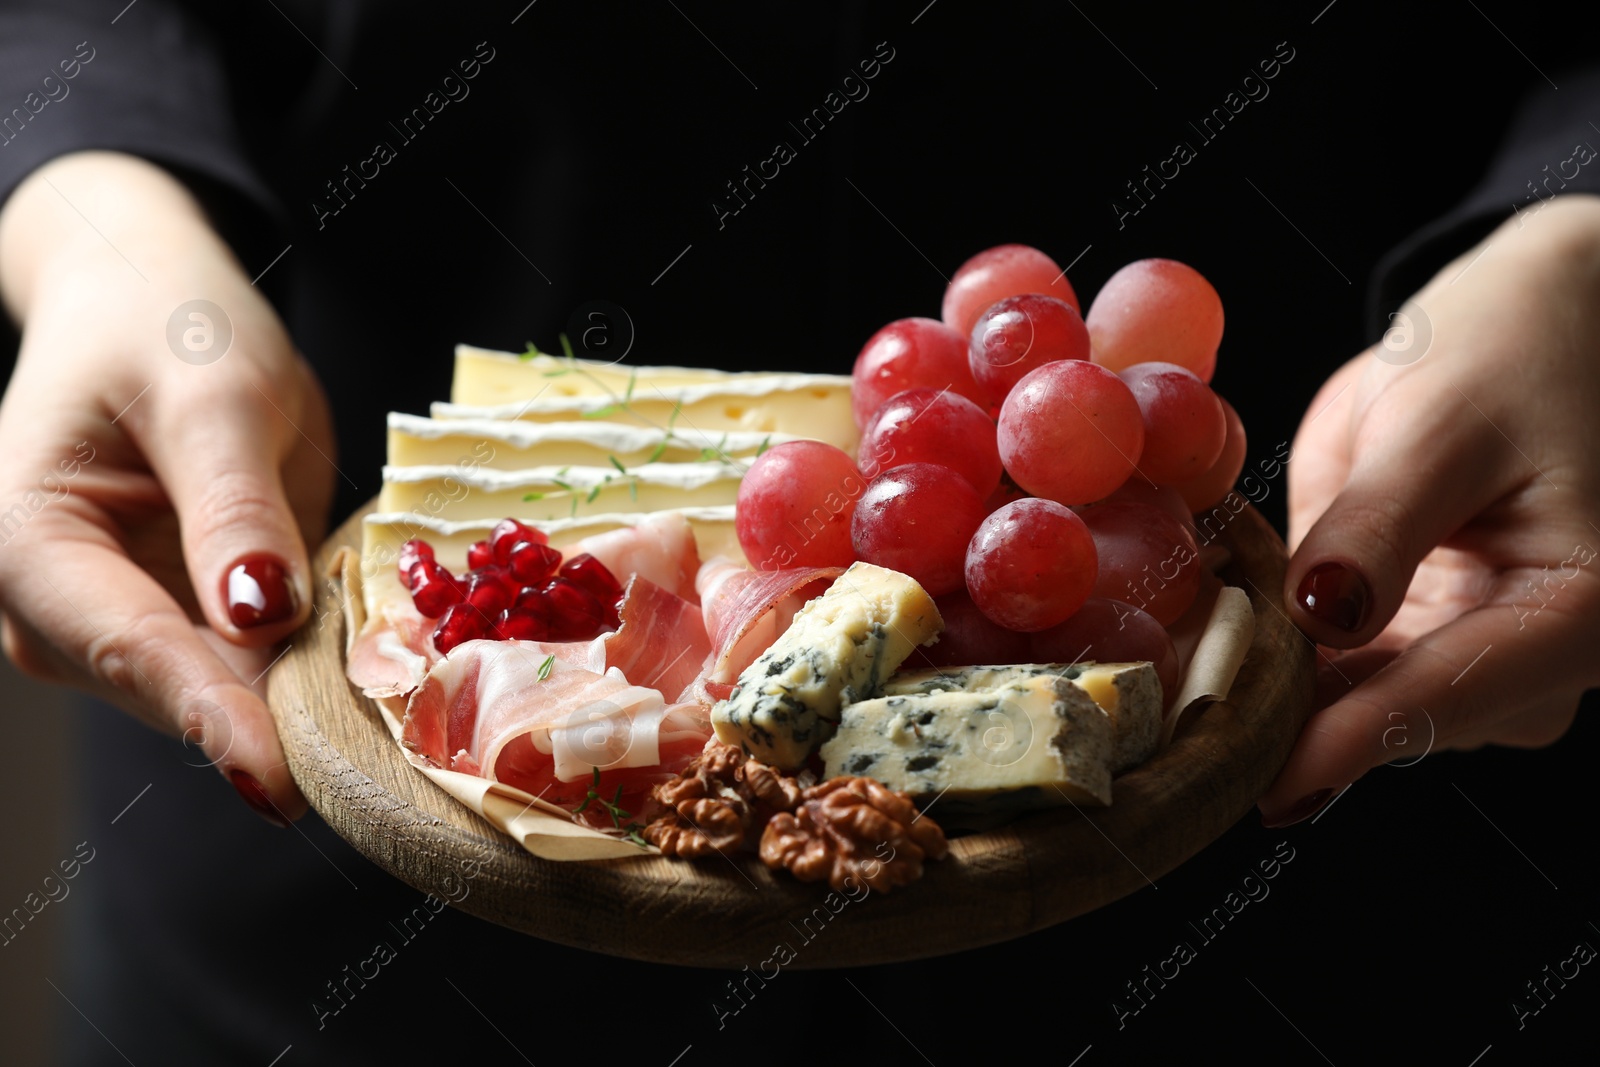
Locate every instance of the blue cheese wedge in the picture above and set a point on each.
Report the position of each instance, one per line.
(839, 649)
(1031, 742)
(1130, 693)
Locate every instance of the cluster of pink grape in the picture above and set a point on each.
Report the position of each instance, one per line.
(1033, 468)
(518, 588)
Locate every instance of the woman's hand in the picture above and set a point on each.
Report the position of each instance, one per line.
(160, 479)
(1444, 518)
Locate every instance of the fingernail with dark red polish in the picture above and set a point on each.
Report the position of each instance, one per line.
(1301, 809)
(259, 592)
(254, 794)
(1336, 594)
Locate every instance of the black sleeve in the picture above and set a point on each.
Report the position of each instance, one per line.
(149, 81)
(1549, 150)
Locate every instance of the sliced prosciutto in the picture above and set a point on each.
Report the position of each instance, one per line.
(662, 642)
(660, 549)
(745, 611)
(484, 710)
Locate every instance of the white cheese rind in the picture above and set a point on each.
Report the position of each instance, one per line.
(810, 405)
(483, 376)
(1038, 741)
(510, 445)
(460, 493)
(839, 649)
(1130, 693)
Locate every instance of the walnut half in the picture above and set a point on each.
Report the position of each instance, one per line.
(853, 829)
(721, 796)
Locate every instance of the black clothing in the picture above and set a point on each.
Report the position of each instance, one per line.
(621, 152)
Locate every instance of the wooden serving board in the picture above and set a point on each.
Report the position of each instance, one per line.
(1042, 869)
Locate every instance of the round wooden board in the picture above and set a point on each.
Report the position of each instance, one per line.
(1040, 870)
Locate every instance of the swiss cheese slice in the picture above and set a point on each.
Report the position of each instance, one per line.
(808, 405)
(486, 377)
(511, 445)
(550, 493)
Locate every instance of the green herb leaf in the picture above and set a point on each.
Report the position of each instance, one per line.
(528, 498)
(546, 667)
(562, 484)
(766, 442)
(603, 413)
(532, 351)
(617, 463)
(660, 450)
(627, 394)
(593, 493)
(566, 346)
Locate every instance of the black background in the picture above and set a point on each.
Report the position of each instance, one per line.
(1415, 908)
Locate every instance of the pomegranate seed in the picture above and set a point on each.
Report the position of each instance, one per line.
(487, 590)
(533, 563)
(460, 623)
(479, 555)
(578, 613)
(517, 626)
(412, 553)
(505, 535)
(589, 573)
(433, 589)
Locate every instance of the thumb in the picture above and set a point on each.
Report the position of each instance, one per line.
(217, 449)
(1419, 470)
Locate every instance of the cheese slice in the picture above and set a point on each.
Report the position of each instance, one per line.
(1130, 693)
(485, 377)
(809, 405)
(839, 649)
(549, 493)
(510, 445)
(1031, 742)
(382, 534)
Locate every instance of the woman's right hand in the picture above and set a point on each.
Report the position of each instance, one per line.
(165, 464)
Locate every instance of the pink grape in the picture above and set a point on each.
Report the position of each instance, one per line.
(1208, 489)
(1184, 427)
(1146, 557)
(933, 426)
(908, 354)
(1020, 333)
(1070, 431)
(999, 272)
(1157, 309)
(1031, 565)
(794, 507)
(1139, 491)
(1109, 631)
(917, 519)
(968, 638)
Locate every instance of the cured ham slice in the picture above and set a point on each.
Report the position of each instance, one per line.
(660, 549)
(484, 710)
(745, 611)
(391, 655)
(662, 642)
